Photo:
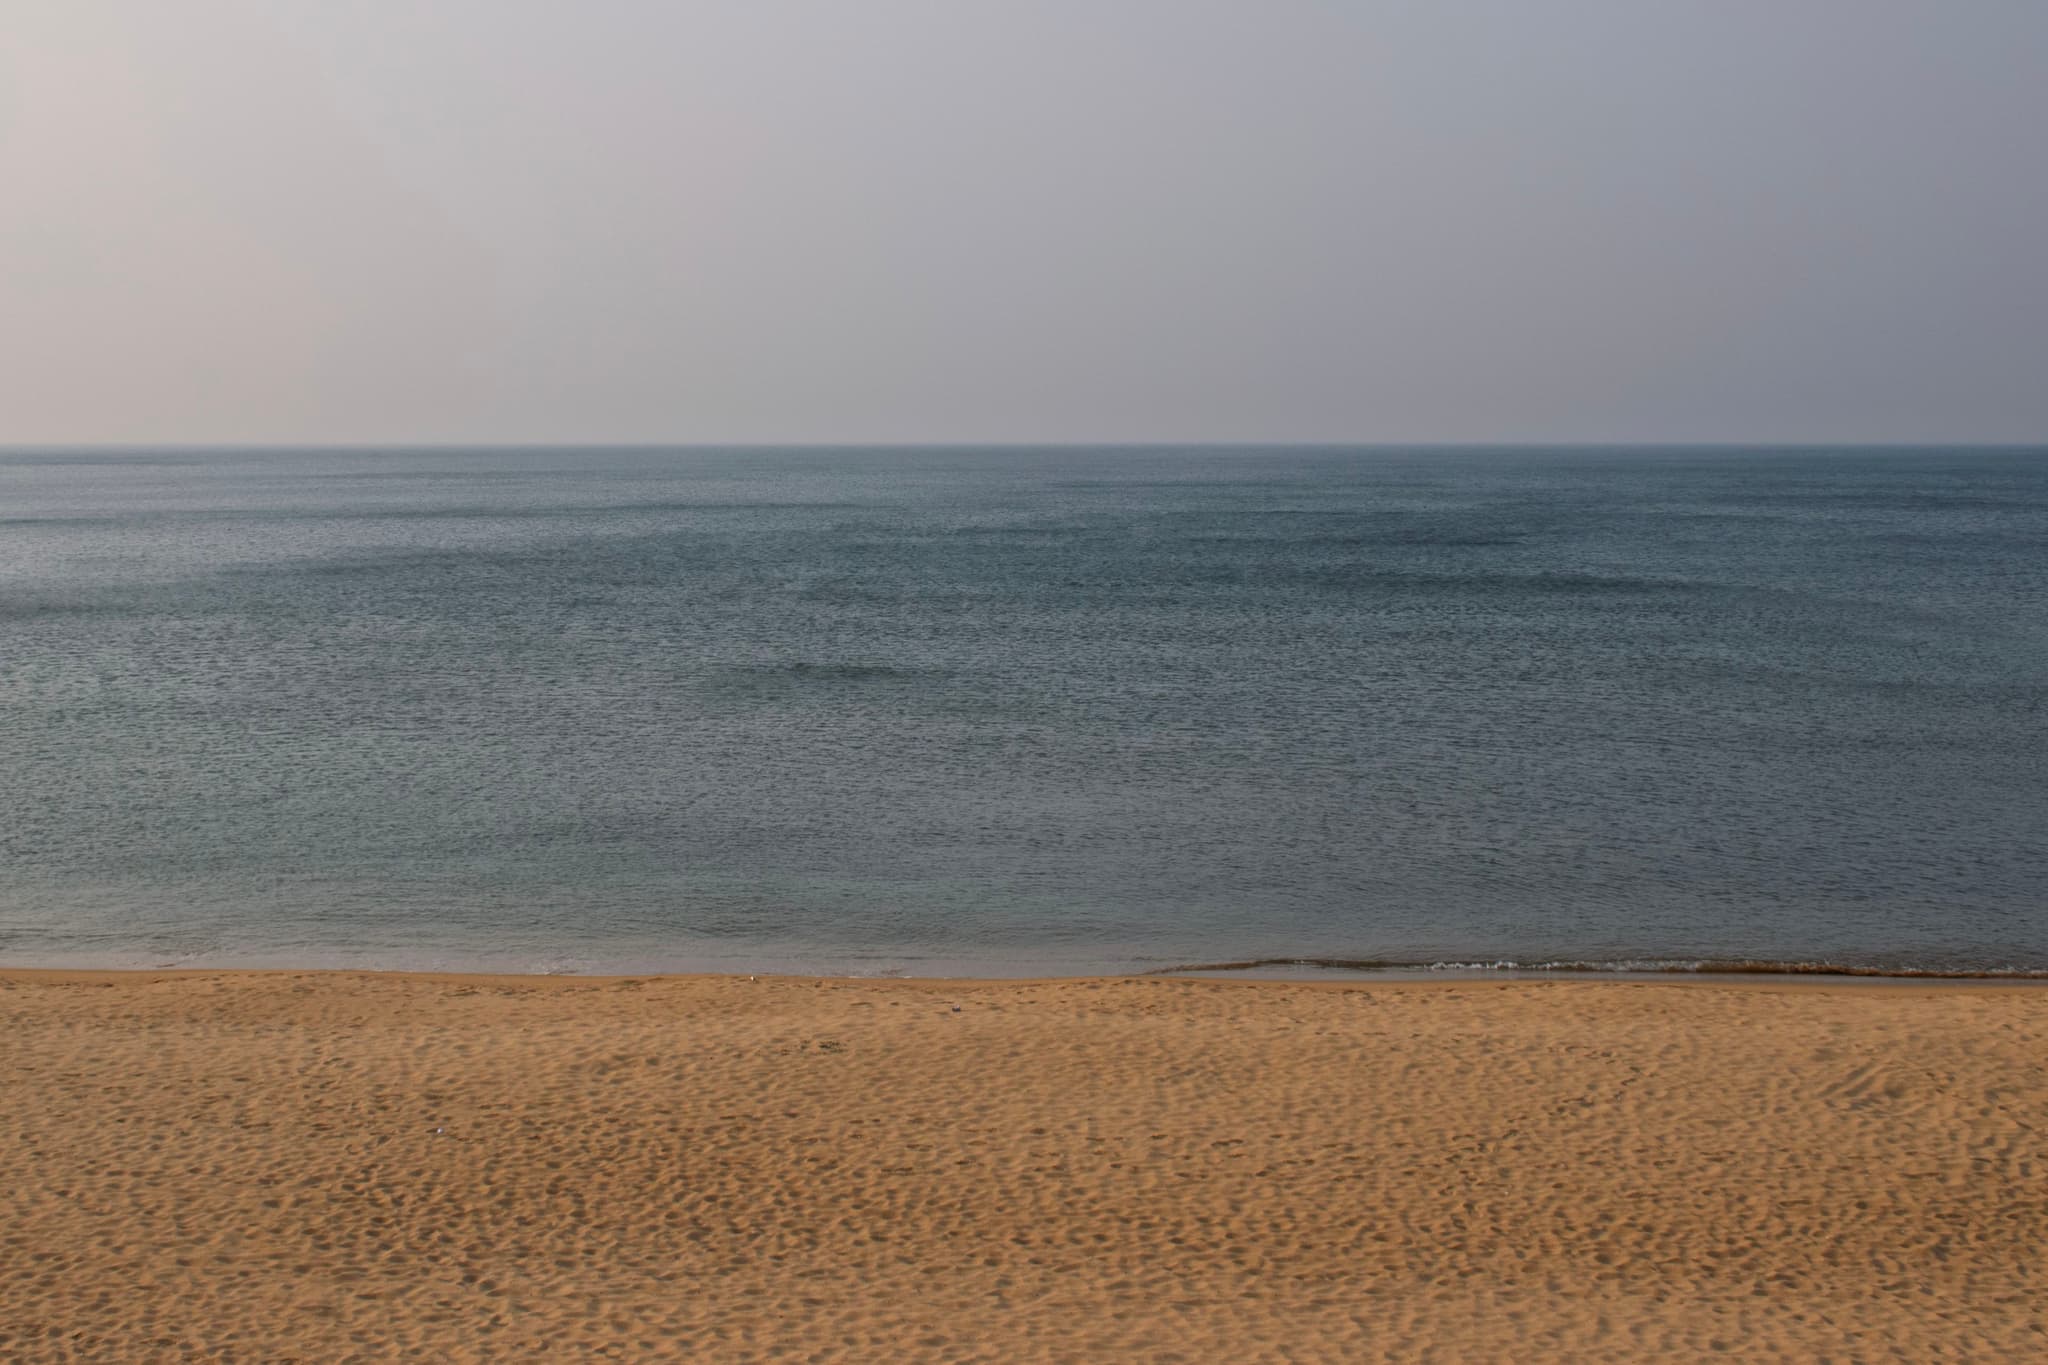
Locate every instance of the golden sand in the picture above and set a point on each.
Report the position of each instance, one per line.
(266, 1166)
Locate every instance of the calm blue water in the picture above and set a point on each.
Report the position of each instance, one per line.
(1058, 710)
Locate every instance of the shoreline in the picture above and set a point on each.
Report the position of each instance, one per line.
(828, 966)
(326, 1164)
(1287, 972)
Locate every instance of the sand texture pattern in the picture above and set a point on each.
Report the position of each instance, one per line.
(327, 1167)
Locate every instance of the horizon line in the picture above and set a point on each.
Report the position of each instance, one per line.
(12, 447)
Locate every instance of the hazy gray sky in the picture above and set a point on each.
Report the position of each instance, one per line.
(830, 220)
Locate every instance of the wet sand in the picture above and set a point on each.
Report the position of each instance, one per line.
(273, 1165)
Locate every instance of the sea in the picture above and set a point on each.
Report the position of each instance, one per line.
(1026, 711)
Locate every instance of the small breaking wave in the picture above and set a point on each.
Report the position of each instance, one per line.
(1617, 967)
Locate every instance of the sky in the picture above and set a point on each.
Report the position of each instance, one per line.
(692, 221)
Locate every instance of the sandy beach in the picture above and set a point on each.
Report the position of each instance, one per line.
(310, 1166)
